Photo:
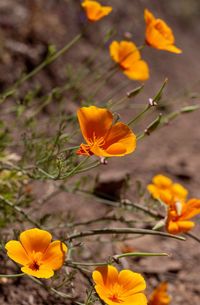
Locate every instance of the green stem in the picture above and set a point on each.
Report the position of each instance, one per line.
(120, 231)
(40, 67)
(11, 275)
(19, 210)
(139, 115)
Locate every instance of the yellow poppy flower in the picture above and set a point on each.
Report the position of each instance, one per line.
(126, 54)
(103, 138)
(36, 253)
(94, 10)
(178, 220)
(158, 34)
(160, 296)
(164, 189)
(124, 287)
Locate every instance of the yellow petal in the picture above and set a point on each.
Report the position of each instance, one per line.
(179, 192)
(55, 255)
(131, 282)
(114, 51)
(16, 252)
(35, 240)
(105, 276)
(138, 71)
(94, 121)
(162, 181)
(43, 272)
(135, 299)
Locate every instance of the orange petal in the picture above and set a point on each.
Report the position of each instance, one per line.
(190, 209)
(138, 71)
(131, 282)
(94, 121)
(148, 16)
(16, 252)
(121, 134)
(94, 10)
(105, 276)
(160, 295)
(44, 272)
(180, 226)
(35, 240)
(55, 255)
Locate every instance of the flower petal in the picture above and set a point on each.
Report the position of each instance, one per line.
(121, 134)
(148, 16)
(55, 255)
(94, 122)
(131, 282)
(138, 71)
(35, 240)
(136, 299)
(43, 272)
(16, 252)
(190, 209)
(94, 10)
(179, 226)
(105, 276)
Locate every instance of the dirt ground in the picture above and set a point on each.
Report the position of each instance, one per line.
(26, 29)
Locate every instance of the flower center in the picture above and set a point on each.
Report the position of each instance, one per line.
(115, 298)
(35, 261)
(34, 266)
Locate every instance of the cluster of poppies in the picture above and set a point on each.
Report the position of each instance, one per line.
(179, 209)
(125, 53)
(40, 257)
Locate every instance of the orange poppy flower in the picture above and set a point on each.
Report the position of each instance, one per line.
(104, 139)
(158, 34)
(160, 296)
(126, 54)
(124, 287)
(94, 10)
(168, 192)
(36, 253)
(178, 220)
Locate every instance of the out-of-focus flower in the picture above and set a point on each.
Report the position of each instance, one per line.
(178, 220)
(160, 296)
(94, 10)
(158, 34)
(168, 192)
(104, 139)
(36, 253)
(125, 287)
(126, 54)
